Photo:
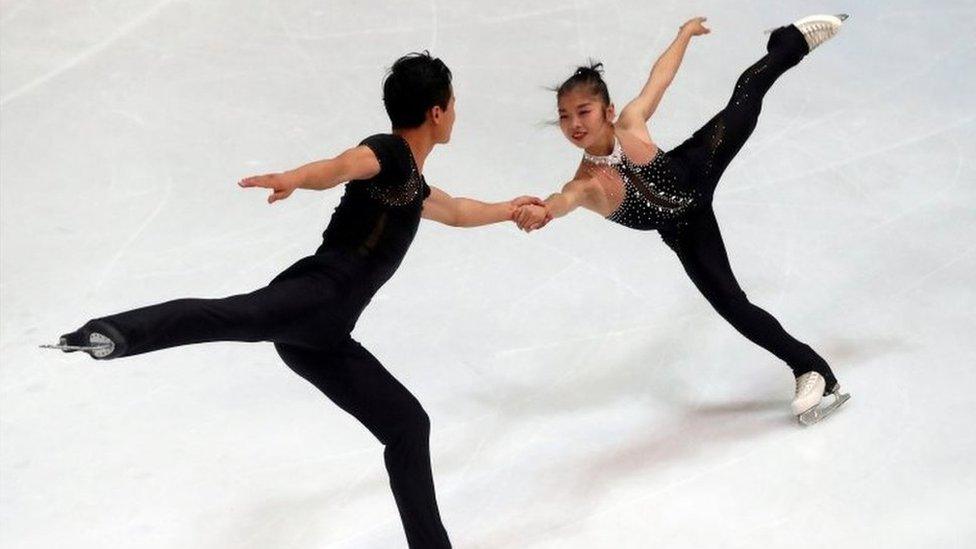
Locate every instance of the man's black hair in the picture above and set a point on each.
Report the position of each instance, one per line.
(415, 84)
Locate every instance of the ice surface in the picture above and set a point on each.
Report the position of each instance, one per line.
(582, 393)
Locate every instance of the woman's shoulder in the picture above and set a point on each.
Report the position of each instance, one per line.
(583, 171)
(586, 175)
(637, 146)
(585, 180)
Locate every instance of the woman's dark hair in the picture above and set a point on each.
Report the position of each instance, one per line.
(590, 78)
(415, 84)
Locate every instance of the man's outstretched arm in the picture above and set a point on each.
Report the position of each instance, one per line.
(467, 212)
(356, 163)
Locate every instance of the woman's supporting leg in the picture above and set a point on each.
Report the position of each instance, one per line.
(710, 149)
(702, 253)
(356, 381)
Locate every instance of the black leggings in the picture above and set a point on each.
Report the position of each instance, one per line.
(352, 378)
(697, 240)
(308, 317)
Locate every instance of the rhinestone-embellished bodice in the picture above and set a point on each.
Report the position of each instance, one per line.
(401, 193)
(652, 196)
(377, 218)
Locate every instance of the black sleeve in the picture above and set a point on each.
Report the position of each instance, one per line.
(391, 154)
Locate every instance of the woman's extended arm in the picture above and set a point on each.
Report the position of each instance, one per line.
(574, 194)
(639, 111)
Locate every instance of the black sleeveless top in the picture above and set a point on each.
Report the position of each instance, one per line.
(374, 223)
(655, 194)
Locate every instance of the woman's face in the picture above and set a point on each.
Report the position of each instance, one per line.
(583, 117)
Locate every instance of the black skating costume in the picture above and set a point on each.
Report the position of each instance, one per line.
(672, 193)
(308, 312)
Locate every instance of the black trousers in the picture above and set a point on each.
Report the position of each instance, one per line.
(697, 240)
(308, 312)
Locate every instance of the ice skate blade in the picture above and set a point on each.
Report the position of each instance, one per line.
(818, 413)
(100, 346)
(74, 347)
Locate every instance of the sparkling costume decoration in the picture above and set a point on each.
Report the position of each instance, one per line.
(309, 312)
(652, 194)
(673, 194)
(377, 219)
(399, 195)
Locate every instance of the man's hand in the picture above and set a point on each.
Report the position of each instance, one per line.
(520, 204)
(524, 200)
(530, 217)
(281, 184)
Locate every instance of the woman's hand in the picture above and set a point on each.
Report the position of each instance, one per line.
(531, 217)
(519, 206)
(281, 184)
(695, 26)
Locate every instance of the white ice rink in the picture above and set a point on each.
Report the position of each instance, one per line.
(582, 393)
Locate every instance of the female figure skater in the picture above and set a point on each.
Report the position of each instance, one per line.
(309, 310)
(627, 178)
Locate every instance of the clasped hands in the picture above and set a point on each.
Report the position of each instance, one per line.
(530, 213)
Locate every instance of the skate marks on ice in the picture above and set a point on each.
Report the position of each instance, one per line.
(82, 56)
(579, 490)
(679, 436)
(362, 506)
(844, 353)
(641, 425)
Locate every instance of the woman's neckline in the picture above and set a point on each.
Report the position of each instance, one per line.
(612, 159)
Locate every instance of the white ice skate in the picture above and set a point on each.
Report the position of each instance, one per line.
(99, 346)
(817, 29)
(810, 389)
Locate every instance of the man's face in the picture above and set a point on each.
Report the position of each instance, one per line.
(446, 123)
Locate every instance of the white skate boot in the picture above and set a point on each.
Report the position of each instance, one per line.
(817, 29)
(810, 390)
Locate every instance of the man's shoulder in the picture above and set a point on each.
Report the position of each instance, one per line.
(392, 154)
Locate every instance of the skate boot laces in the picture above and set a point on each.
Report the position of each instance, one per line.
(807, 383)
